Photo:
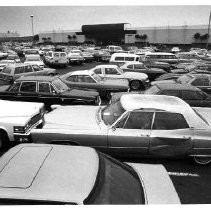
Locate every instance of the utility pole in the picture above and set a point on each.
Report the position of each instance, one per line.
(208, 31)
(32, 28)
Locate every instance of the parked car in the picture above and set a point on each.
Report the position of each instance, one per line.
(202, 81)
(187, 57)
(152, 73)
(155, 64)
(48, 90)
(101, 55)
(114, 49)
(88, 57)
(13, 71)
(190, 94)
(34, 59)
(75, 58)
(30, 52)
(13, 57)
(79, 175)
(137, 80)
(118, 58)
(56, 58)
(163, 57)
(3, 55)
(88, 79)
(5, 62)
(137, 125)
(17, 119)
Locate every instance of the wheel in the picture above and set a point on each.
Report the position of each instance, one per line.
(135, 85)
(51, 75)
(108, 95)
(202, 160)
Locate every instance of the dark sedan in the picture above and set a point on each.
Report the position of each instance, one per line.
(48, 90)
(190, 94)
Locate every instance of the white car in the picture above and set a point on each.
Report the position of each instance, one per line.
(17, 119)
(34, 59)
(56, 58)
(136, 80)
(57, 174)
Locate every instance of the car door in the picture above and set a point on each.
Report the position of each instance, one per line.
(28, 91)
(111, 73)
(130, 135)
(170, 135)
(12, 92)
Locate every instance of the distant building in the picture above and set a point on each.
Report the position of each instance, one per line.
(9, 34)
(105, 34)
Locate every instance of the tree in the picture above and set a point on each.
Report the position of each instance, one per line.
(44, 39)
(69, 37)
(137, 36)
(144, 36)
(196, 36)
(36, 38)
(204, 37)
(74, 36)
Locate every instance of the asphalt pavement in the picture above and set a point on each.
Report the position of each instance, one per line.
(191, 181)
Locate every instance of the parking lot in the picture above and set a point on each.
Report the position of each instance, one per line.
(191, 181)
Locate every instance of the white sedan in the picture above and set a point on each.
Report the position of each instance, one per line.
(136, 80)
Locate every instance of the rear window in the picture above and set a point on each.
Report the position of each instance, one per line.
(129, 58)
(116, 183)
(119, 59)
(6, 70)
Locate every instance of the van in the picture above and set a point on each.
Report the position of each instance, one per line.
(56, 58)
(114, 49)
(163, 57)
(124, 57)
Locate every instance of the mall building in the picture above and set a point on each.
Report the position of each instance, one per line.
(121, 33)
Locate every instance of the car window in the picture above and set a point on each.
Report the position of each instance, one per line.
(62, 54)
(56, 54)
(198, 82)
(130, 66)
(119, 59)
(88, 79)
(15, 87)
(28, 69)
(19, 70)
(137, 120)
(137, 59)
(6, 70)
(28, 87)
(176, 93)
(52, 89)
(36, 68)
(49, 54)
(129, 58)
(44, 87)
(97, 71)
(138, 66)
(72, 78)
(192, 95)
(111, 71)
(169, 121)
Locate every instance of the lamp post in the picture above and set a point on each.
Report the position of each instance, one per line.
(208, 32)
(32, 16)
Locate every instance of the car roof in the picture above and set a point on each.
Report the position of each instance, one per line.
(106, 65)
(36, 78)
(48, 172)
(165, 86)
(124, 54)
(80, 72)
(166, 103)
(159, 53)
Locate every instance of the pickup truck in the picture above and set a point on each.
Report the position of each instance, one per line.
(17, 119)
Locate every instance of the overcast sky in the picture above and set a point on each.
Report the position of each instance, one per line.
(73, 17)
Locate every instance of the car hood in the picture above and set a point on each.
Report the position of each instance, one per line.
(116, 82)
(158, 187)
(157, 70)
(77, 92)
(9, 108)
(73, 117)
(135, 75)
(4, 87)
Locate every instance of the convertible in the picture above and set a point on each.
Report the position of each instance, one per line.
(137, 125)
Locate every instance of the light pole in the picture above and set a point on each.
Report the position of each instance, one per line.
(32, 28)
(208, 31)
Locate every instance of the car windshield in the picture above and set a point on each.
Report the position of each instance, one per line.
(152, 90)
(32, 52)
(184, 78)
(112, 112)
(33, 59)
(116, 183)
(61, 86)
(96, 77)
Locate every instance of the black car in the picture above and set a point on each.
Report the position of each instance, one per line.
(48, 90)
(190, 94)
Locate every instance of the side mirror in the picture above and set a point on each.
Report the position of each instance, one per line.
(113, 128)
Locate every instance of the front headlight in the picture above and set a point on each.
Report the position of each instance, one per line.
(19, 129)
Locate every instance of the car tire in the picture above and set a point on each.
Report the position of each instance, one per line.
(51, 75)
(135, 85)
(202, 160)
